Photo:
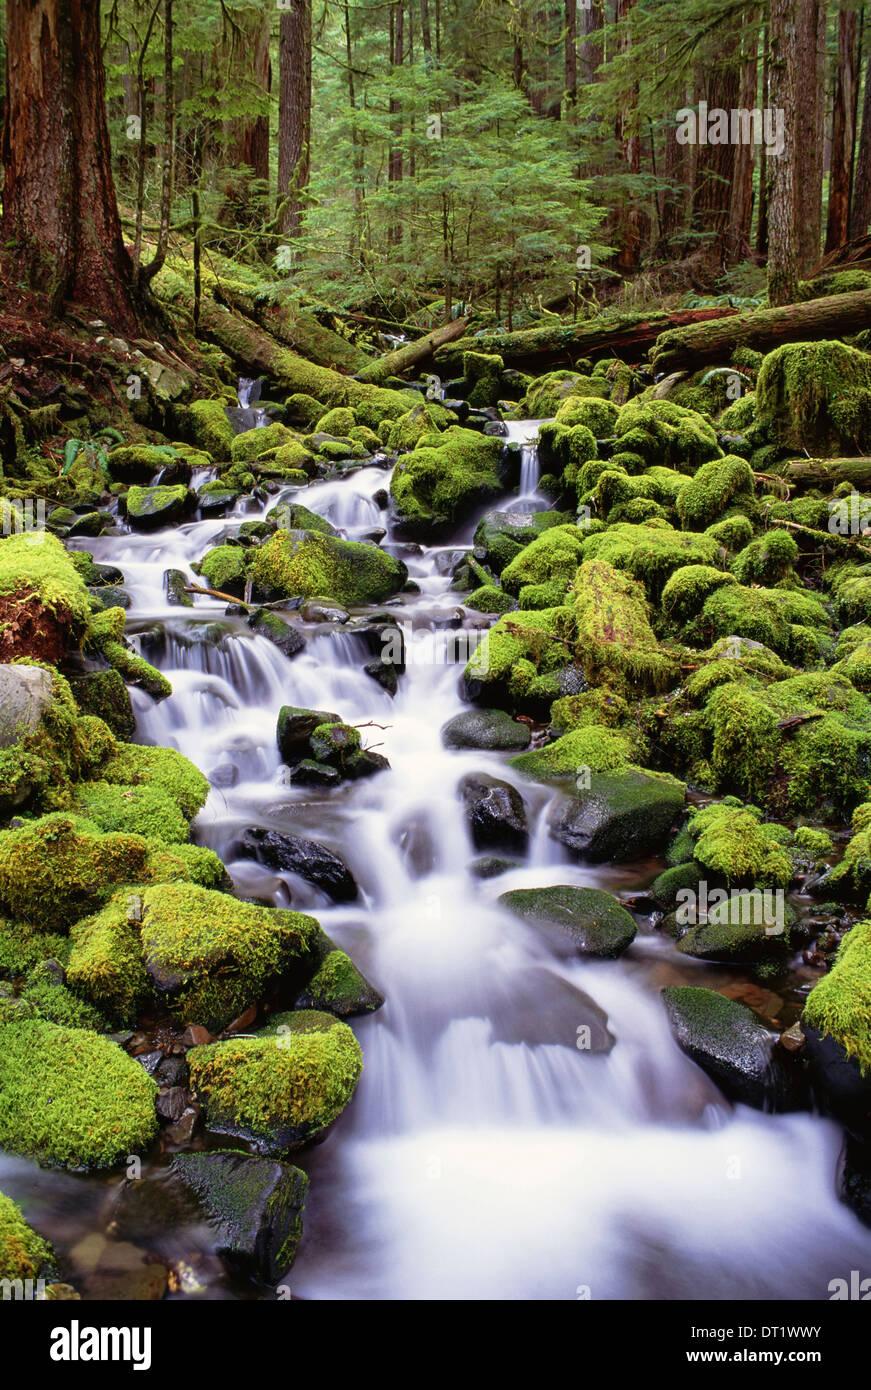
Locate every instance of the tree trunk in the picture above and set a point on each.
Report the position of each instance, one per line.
(629, 223)
(782, 275)
(831, 317)
(395, 363)
(741, 212)
(762, 219)
(840, 174)
(570, 78)
(294, 113)
(247, 138)
(860, 214)
(809, 149)
(147, 273)
(394, 160)
(59, 209)
(715, 169)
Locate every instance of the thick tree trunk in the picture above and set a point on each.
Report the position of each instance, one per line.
(395, 363)
(298, 329)
(294, 113)
(826, 474)
(248, 138)
(741, 212)
(60, 216)
(840, 174)
(809, 147)
(782, 275)
(629, 220)
(715, 169)
(570, 60)
(394, 159)
(697, 345)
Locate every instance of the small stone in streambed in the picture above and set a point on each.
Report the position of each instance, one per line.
(282, 635)
(174, 586)
(181, 1133)
(195, 1036)
(312, 861)
(25, 696)
(489, 866)
(488, 729)
(91, 524)
(322, 611)
(495, 813)
(586, 920)
(309, 773)
(224, 776)
(255, 1205)
(150, 1061)
(173, 1071)
(384, 675)
(734, 1047)
(172, 1102)
(110, 596)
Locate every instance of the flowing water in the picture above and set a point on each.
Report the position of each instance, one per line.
(484, 1155)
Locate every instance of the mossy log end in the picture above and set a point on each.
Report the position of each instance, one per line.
(697, 344)
(399, 361)
(627, 335)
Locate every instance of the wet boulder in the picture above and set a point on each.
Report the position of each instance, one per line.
(543, 1009)
(501, 535)
(308, 564)
(733, 1046)
(337, 986)
(149, 508)
(622, 815)
(583, 920)
(495, 813)
(295, 727)
(311, 861)
(254, 1204)
(838, 1083)
(283, 635)
(175, 587)
(490, 729)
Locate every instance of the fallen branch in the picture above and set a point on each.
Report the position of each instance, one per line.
(396, 362)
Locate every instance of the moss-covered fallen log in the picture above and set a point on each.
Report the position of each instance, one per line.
(402, 358)
(625, 335)
(256, 351)
(826, 474)
(298, 329)
(694, 345)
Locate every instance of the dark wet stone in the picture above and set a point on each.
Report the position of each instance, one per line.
(490, 729)
(495, 813)
(313, 862)
(588, 920)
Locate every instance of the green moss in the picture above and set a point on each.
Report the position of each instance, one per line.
(815, 844)
(304, 563)
(652, 552)
(745, 739)
(766, 560)
(225, 568)
(70, 1097)
(615, 642)
(208, 955)
(565, 448)
(732, 840)
(595, 414)
(740, 415)
(816, 396)
(135, 764)
(54, 869)
(253, 444)
(750, 925)
(279, 1090)
(160, 505)
(23, 1254)
(553, 556)
(63, 746)
(23, 946)
(547, 393)
(593, 749)
(732, 532)
(489, 598)
(686, 591)
(433, 488)
(104, 694)
(105, 964)
(34, 565)
(208, 427)
(664, 433)
(142, 810)
(58, 1004)
(706, 496)
(134, 668)
(763, 615)
(840, 1004)
(593, 707)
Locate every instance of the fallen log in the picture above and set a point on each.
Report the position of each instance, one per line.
(298, 329)
(696, 345)
(627, 335)
(826, 474)
(255, 350)
(396, 362)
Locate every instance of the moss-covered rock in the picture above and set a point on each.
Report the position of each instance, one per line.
(490, 729)
(704, 498)
(70, 1097)
(553, 557)
(840, 1004)
(134, 764)
(593, 921)
(589, 750)
(45, 990)
(282, 1088)
(501, 535)
(55, 869)
(444, 478)
(139, 463)
(207, 425)
(547, 393)
(163, 505)
(816, 397)
(620, 815)
(294, 563)
(104, 694)
(23, 1254)
(253, 444)
(225, 568)
(616, 645)
(208, 956)
(729, 1042)
(664, 433)
(43, 591)
(685, 593)
(732, 840)
(766, 560)
(651, 552)
(146, 810)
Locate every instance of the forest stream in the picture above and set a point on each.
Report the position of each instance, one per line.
(487, 1153)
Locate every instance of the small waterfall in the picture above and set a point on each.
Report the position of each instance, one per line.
(485, 1156)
